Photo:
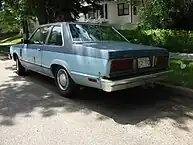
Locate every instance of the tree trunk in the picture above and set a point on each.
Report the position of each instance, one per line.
(42, 20)
(42, 17)
(25, 29)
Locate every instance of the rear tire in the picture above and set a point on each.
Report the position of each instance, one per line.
(64, 83)
(21, 71)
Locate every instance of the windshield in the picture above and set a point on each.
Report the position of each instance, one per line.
(87, 32)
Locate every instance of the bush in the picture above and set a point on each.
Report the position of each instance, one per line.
(173, 40)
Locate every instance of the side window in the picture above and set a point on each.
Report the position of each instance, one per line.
(40, 35)
(55, 36)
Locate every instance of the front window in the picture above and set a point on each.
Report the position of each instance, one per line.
(86, 32)
(55, 36)
(40, 36)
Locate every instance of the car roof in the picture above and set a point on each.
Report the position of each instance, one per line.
(86, 23)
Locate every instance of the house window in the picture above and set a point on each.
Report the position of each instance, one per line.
(106, 11)
(123, 9)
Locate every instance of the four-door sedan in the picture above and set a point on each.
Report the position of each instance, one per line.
(90, 55)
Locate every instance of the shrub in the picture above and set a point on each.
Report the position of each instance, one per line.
(173, 40)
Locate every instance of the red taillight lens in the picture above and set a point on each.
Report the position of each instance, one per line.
(161, 61)
(121, 65)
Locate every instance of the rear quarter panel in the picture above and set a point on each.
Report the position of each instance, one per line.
(79, 67)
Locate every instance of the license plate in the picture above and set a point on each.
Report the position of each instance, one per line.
(143, 62)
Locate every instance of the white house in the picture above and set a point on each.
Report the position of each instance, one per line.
(113, 12)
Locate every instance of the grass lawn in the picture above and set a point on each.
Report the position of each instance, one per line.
(181, 77)
(12, 40)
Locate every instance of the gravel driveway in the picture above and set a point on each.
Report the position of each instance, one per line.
(32, 113)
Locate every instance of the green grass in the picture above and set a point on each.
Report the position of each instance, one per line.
(181, 77)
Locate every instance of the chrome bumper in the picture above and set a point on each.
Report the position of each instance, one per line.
(109, 86)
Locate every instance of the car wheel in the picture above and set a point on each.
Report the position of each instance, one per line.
(21, 71)
(64, 83)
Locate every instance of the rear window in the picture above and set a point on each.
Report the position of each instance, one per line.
(87, 32)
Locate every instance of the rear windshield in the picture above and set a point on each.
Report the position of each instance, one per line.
(87, 32)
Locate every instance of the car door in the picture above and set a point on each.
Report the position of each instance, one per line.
(54, 48)
(33, 50)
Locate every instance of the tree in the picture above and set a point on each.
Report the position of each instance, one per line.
(173, 14)
(155, 13)
(15, 13)
(181, 14)
(47, 10)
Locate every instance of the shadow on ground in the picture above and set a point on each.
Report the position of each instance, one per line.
(4, 57)
(21, 95)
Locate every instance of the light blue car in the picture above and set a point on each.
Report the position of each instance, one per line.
(92, 55)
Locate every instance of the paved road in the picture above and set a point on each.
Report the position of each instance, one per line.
(32, 113)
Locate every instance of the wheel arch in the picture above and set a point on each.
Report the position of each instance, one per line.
(60, 63)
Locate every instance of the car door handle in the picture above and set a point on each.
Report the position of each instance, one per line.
(39, 49)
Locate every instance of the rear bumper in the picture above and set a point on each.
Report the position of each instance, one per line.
(109, 86)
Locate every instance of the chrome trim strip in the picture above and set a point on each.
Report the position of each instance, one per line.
(85, 75)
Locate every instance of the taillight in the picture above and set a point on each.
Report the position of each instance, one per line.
(161, 61)
(121, 65)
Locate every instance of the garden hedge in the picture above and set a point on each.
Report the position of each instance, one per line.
(173, 40)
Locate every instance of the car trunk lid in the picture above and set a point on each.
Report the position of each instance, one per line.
(137, 59)
(127, 58)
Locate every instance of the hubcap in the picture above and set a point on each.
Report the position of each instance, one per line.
(62, 79)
